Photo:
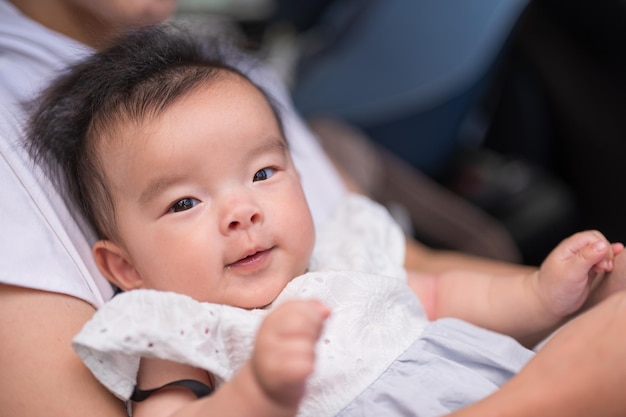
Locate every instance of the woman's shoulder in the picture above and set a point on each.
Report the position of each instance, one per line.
(42, 246)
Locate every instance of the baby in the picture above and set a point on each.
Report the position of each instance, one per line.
(232, 303)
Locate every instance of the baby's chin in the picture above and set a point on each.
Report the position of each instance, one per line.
(258, 306)
(270, 303)
(259, 303)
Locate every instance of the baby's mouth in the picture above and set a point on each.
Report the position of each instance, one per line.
(251, 260)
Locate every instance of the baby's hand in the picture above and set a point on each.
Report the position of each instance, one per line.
(284, 353)
(574, 268)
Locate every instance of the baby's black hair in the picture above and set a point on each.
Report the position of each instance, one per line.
(138, 76)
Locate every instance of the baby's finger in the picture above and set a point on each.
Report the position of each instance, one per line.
(597, 253)
(617, 248)
(298, 319)
(606, 265)
(304, 316)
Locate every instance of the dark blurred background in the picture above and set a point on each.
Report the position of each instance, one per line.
(516, 105)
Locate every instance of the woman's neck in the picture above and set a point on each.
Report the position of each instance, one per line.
(69, 20)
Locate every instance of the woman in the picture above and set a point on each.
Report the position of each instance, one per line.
(49, 289)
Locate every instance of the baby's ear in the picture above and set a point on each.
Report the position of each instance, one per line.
(115, 265)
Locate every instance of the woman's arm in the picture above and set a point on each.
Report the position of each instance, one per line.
(580, 372)
(41, 375)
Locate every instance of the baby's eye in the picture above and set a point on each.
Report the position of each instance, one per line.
(183, 204)
(263, 174)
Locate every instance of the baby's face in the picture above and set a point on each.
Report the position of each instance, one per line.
(208, 202)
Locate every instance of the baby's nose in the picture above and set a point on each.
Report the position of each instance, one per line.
(241, 214)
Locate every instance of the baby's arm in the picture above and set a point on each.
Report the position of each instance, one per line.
(520, 305)
(271, 383)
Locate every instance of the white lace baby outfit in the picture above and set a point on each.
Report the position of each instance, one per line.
(378, 354)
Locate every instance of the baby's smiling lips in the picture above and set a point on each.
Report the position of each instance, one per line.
(254, 260)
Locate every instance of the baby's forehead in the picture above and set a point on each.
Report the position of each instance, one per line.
(141, 112)
(137, 118)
